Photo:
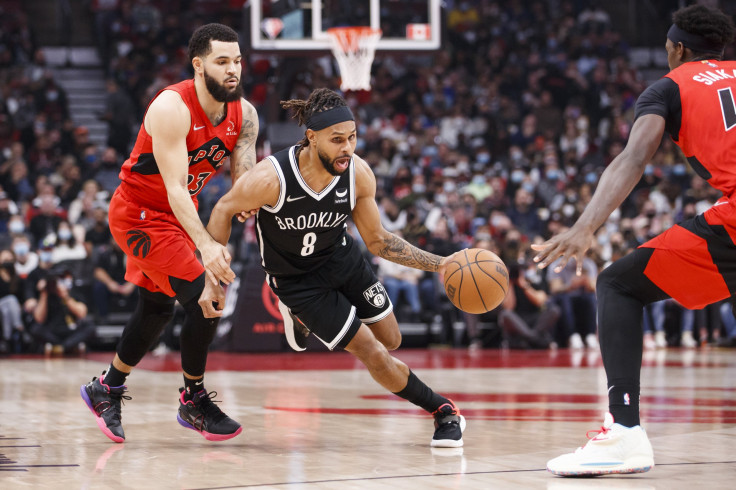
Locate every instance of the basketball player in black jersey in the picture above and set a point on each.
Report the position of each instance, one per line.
(305, 194)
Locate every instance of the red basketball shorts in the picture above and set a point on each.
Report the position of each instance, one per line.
(156, 245)
(695, 262)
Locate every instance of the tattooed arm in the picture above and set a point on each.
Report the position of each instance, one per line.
(243, 157)
(378, 240)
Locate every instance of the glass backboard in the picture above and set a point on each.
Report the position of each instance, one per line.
(303, 24)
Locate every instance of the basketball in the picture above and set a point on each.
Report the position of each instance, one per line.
(476, 281)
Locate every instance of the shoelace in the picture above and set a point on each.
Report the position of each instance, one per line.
(115, 404)
(207, 406)
(597, 432)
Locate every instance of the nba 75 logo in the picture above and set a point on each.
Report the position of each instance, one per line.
(376, 295)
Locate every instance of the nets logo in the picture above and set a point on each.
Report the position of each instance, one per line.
(139, 243)
(376, 295)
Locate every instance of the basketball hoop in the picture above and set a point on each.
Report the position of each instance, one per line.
(354, 48)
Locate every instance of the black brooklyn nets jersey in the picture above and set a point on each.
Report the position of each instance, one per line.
(305, 227)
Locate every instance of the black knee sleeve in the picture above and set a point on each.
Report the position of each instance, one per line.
(152, 313)
(196, 335)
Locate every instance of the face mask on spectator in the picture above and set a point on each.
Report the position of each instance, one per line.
(65, 234)
(45, 255)
(67, 282)
(483, 157)
(21, 249)
(517, 176)
(16, 227)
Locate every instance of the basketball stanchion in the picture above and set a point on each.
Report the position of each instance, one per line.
(354, 49)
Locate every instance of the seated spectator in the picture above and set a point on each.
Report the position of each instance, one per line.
(81, 209)
(11, 322)
(110, 287)
(67, 246)
(15, 226)
(399, 279)
(527, 315)
(25, 259)
(8, 209)
(47, 220)
(575, 295)
(60, 320)
(98, 233)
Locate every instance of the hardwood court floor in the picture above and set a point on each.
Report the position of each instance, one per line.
(318, 421)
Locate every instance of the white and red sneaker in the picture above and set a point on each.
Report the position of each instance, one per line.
(614, 449)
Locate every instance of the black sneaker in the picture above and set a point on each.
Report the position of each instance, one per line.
(201, 414)
(296, 332)
(448, 426)
(104, 402)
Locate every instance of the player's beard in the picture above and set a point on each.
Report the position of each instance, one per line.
(220, 92)
(327, 163)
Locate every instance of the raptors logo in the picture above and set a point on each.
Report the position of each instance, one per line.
(139, 243)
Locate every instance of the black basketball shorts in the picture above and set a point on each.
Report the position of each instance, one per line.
(335, 299)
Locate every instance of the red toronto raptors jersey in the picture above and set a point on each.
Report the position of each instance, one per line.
(207, 146)
(708, 129)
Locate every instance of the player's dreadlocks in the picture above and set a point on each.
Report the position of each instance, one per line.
(320, 100)
(712, 24)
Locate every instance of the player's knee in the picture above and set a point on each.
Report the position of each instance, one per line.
(392, 341)
(605, 279)
(369, 350)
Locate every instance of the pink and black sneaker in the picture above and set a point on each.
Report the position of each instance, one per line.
(104, 402)
(199, 412)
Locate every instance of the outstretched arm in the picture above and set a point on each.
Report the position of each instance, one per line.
(378, 240)
(258, 187)
(616, 183)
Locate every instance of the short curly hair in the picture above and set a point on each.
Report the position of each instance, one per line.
(200, 42)
(712, 24)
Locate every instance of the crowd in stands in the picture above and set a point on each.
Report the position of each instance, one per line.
(495, 141)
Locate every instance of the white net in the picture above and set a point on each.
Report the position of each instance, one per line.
(354, 49)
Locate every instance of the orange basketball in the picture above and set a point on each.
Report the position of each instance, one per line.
(476, 281)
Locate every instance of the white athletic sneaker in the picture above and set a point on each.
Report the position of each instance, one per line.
(591, 341)
(616, 449)
(648, 340)
(575, 341)
(687, 340)
(660, 340)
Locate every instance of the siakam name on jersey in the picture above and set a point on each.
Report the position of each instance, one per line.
(711, 76)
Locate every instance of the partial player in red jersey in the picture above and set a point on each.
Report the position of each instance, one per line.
(693, 262)
(188, 132)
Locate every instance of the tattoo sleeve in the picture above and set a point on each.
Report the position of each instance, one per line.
(244, 154)
(402, 252)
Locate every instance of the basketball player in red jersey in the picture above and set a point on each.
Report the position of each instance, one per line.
(188, 132)
(693, 262)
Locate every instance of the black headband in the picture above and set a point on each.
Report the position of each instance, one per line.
(325, 119)
(695, 42)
